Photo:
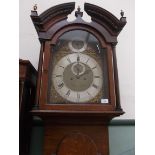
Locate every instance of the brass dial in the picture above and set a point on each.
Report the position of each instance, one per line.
(77, 77)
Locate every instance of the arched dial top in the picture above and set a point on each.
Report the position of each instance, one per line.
(77, 77)
(77, 45)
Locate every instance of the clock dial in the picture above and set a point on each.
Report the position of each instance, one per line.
(77, 77)
(78, 70)
(77, 45)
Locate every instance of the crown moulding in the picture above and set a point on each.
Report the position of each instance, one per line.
(54, 14)
(56, 18)
(105, 18)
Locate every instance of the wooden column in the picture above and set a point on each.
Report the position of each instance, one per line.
(36, 106)
(118, 104)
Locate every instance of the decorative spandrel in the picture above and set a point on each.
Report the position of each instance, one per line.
(78, 70)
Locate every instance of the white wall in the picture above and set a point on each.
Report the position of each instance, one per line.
(30, 46)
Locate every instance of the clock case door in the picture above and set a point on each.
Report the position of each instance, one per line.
(86, 57)
(51, 28)
(44, 103)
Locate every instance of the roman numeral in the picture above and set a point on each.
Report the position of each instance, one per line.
(95, 86)
(87, 61)
(60, 85)
(62, 67)
(94, 67)
(69, 60)
(68, 93)
(78, 96)
(58, 75)
(96, 76)
(88, 93)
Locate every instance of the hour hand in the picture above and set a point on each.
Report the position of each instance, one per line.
(78, 58)
(78, 71)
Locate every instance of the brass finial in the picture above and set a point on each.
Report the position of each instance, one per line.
(122, 13)
(35, 7)
(78, 13)
(78, 9)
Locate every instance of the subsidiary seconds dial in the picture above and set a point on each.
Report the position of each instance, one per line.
(77, 78)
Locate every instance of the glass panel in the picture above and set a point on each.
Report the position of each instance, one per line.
(78, 70)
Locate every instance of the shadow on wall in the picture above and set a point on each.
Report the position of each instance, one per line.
(128, 152)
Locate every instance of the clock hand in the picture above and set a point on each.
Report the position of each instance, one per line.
(78, 70)
(86, 72)
(78, 59)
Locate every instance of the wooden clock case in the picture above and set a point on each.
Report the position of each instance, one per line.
(76, 129)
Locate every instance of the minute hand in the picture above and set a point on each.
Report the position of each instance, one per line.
(86, 72)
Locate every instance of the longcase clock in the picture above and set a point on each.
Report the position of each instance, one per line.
(77, 87)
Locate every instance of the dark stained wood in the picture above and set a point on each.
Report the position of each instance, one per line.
(77, 144)
(77, 129)
(55, 134)
(27, 82)
(51, 16)
(44, 76)
(39, 75)
(27, 89)
(105, 18)
(52, 21)
(118, 104)
(64, 23)
(26, 71)
(77, 117)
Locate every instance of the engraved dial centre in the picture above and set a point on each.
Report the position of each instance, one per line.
(78, 77)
